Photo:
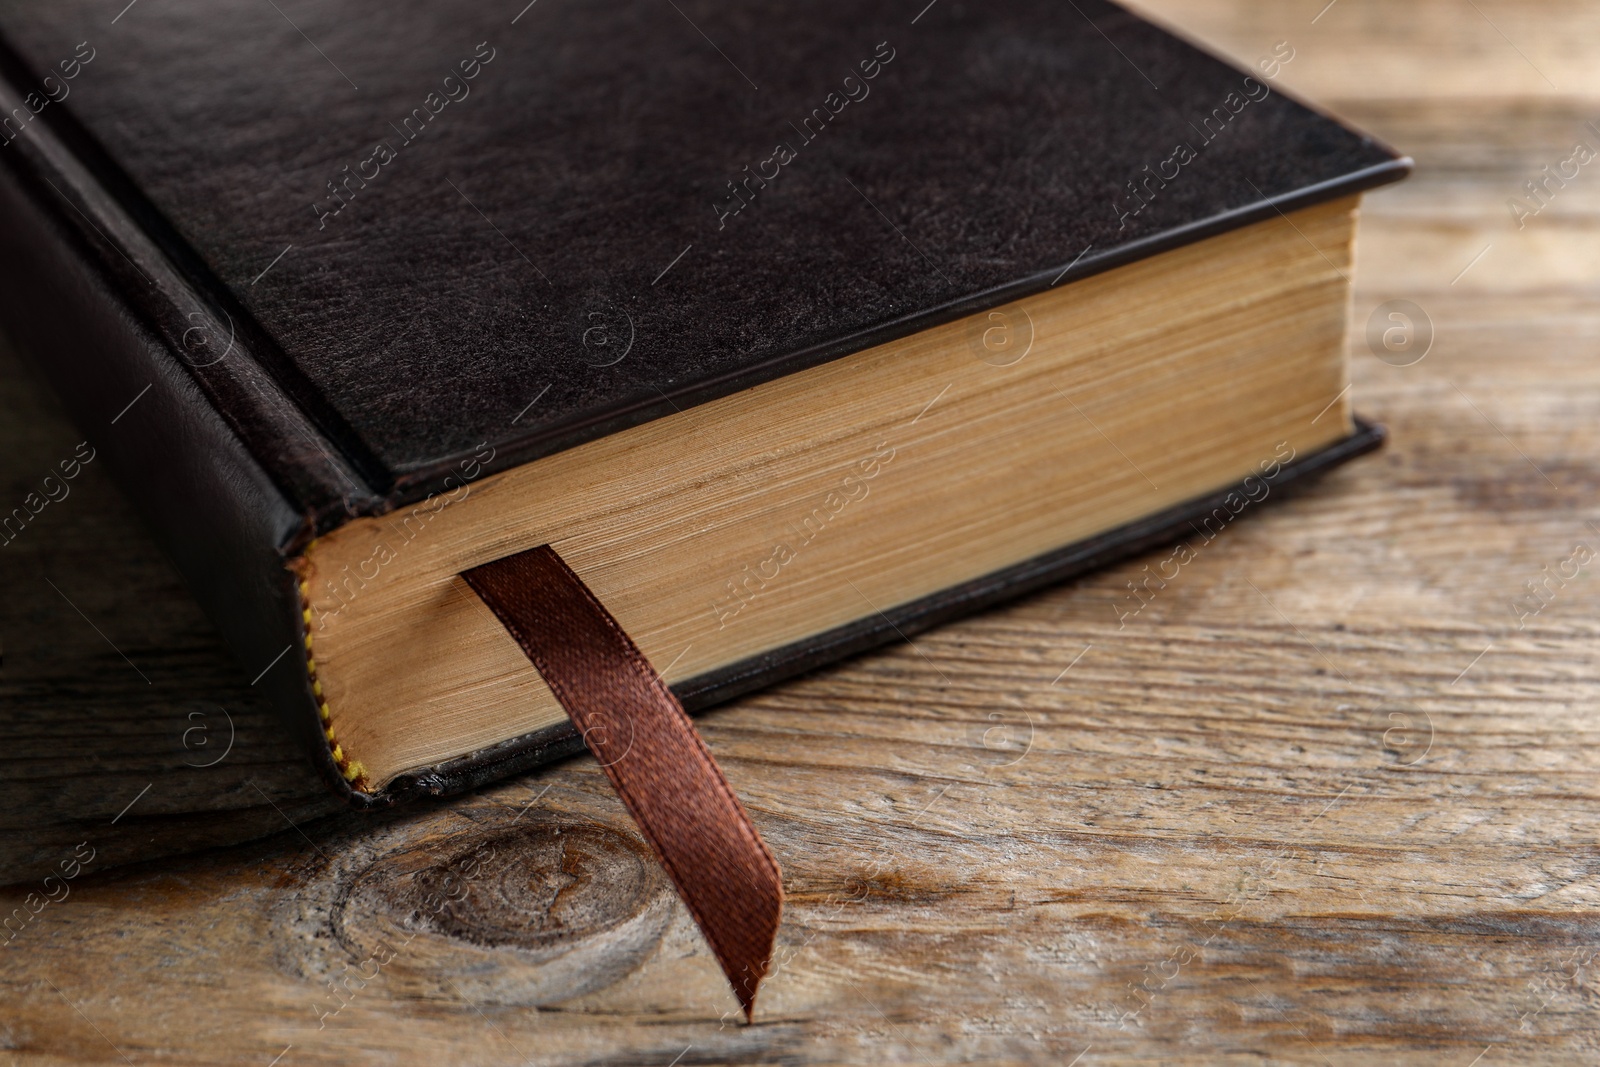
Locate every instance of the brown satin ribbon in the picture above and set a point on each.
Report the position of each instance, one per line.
(656, 761)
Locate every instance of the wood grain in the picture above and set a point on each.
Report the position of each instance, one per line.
(1322, 801)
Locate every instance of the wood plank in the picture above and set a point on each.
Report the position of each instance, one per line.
(1321, 801)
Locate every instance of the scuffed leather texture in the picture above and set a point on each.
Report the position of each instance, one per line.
(561, 215)
(479, 288)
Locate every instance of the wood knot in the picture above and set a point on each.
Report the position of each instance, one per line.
(531, 914)
(533, 888)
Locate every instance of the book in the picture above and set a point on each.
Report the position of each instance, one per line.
(791, 329)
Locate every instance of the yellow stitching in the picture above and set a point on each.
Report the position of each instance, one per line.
(353, 770)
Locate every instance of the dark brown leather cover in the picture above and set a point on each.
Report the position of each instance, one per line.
(553, 252)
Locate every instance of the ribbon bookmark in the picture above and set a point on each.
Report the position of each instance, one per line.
(649, 749)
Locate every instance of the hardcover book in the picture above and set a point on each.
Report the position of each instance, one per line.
(790, 328)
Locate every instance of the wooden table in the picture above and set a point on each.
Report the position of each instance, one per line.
(1327, 800)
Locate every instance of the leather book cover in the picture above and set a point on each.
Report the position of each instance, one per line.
(293, 264)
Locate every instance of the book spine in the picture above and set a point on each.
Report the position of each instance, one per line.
(120, 336)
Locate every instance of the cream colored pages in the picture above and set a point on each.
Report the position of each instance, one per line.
(757, 520)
